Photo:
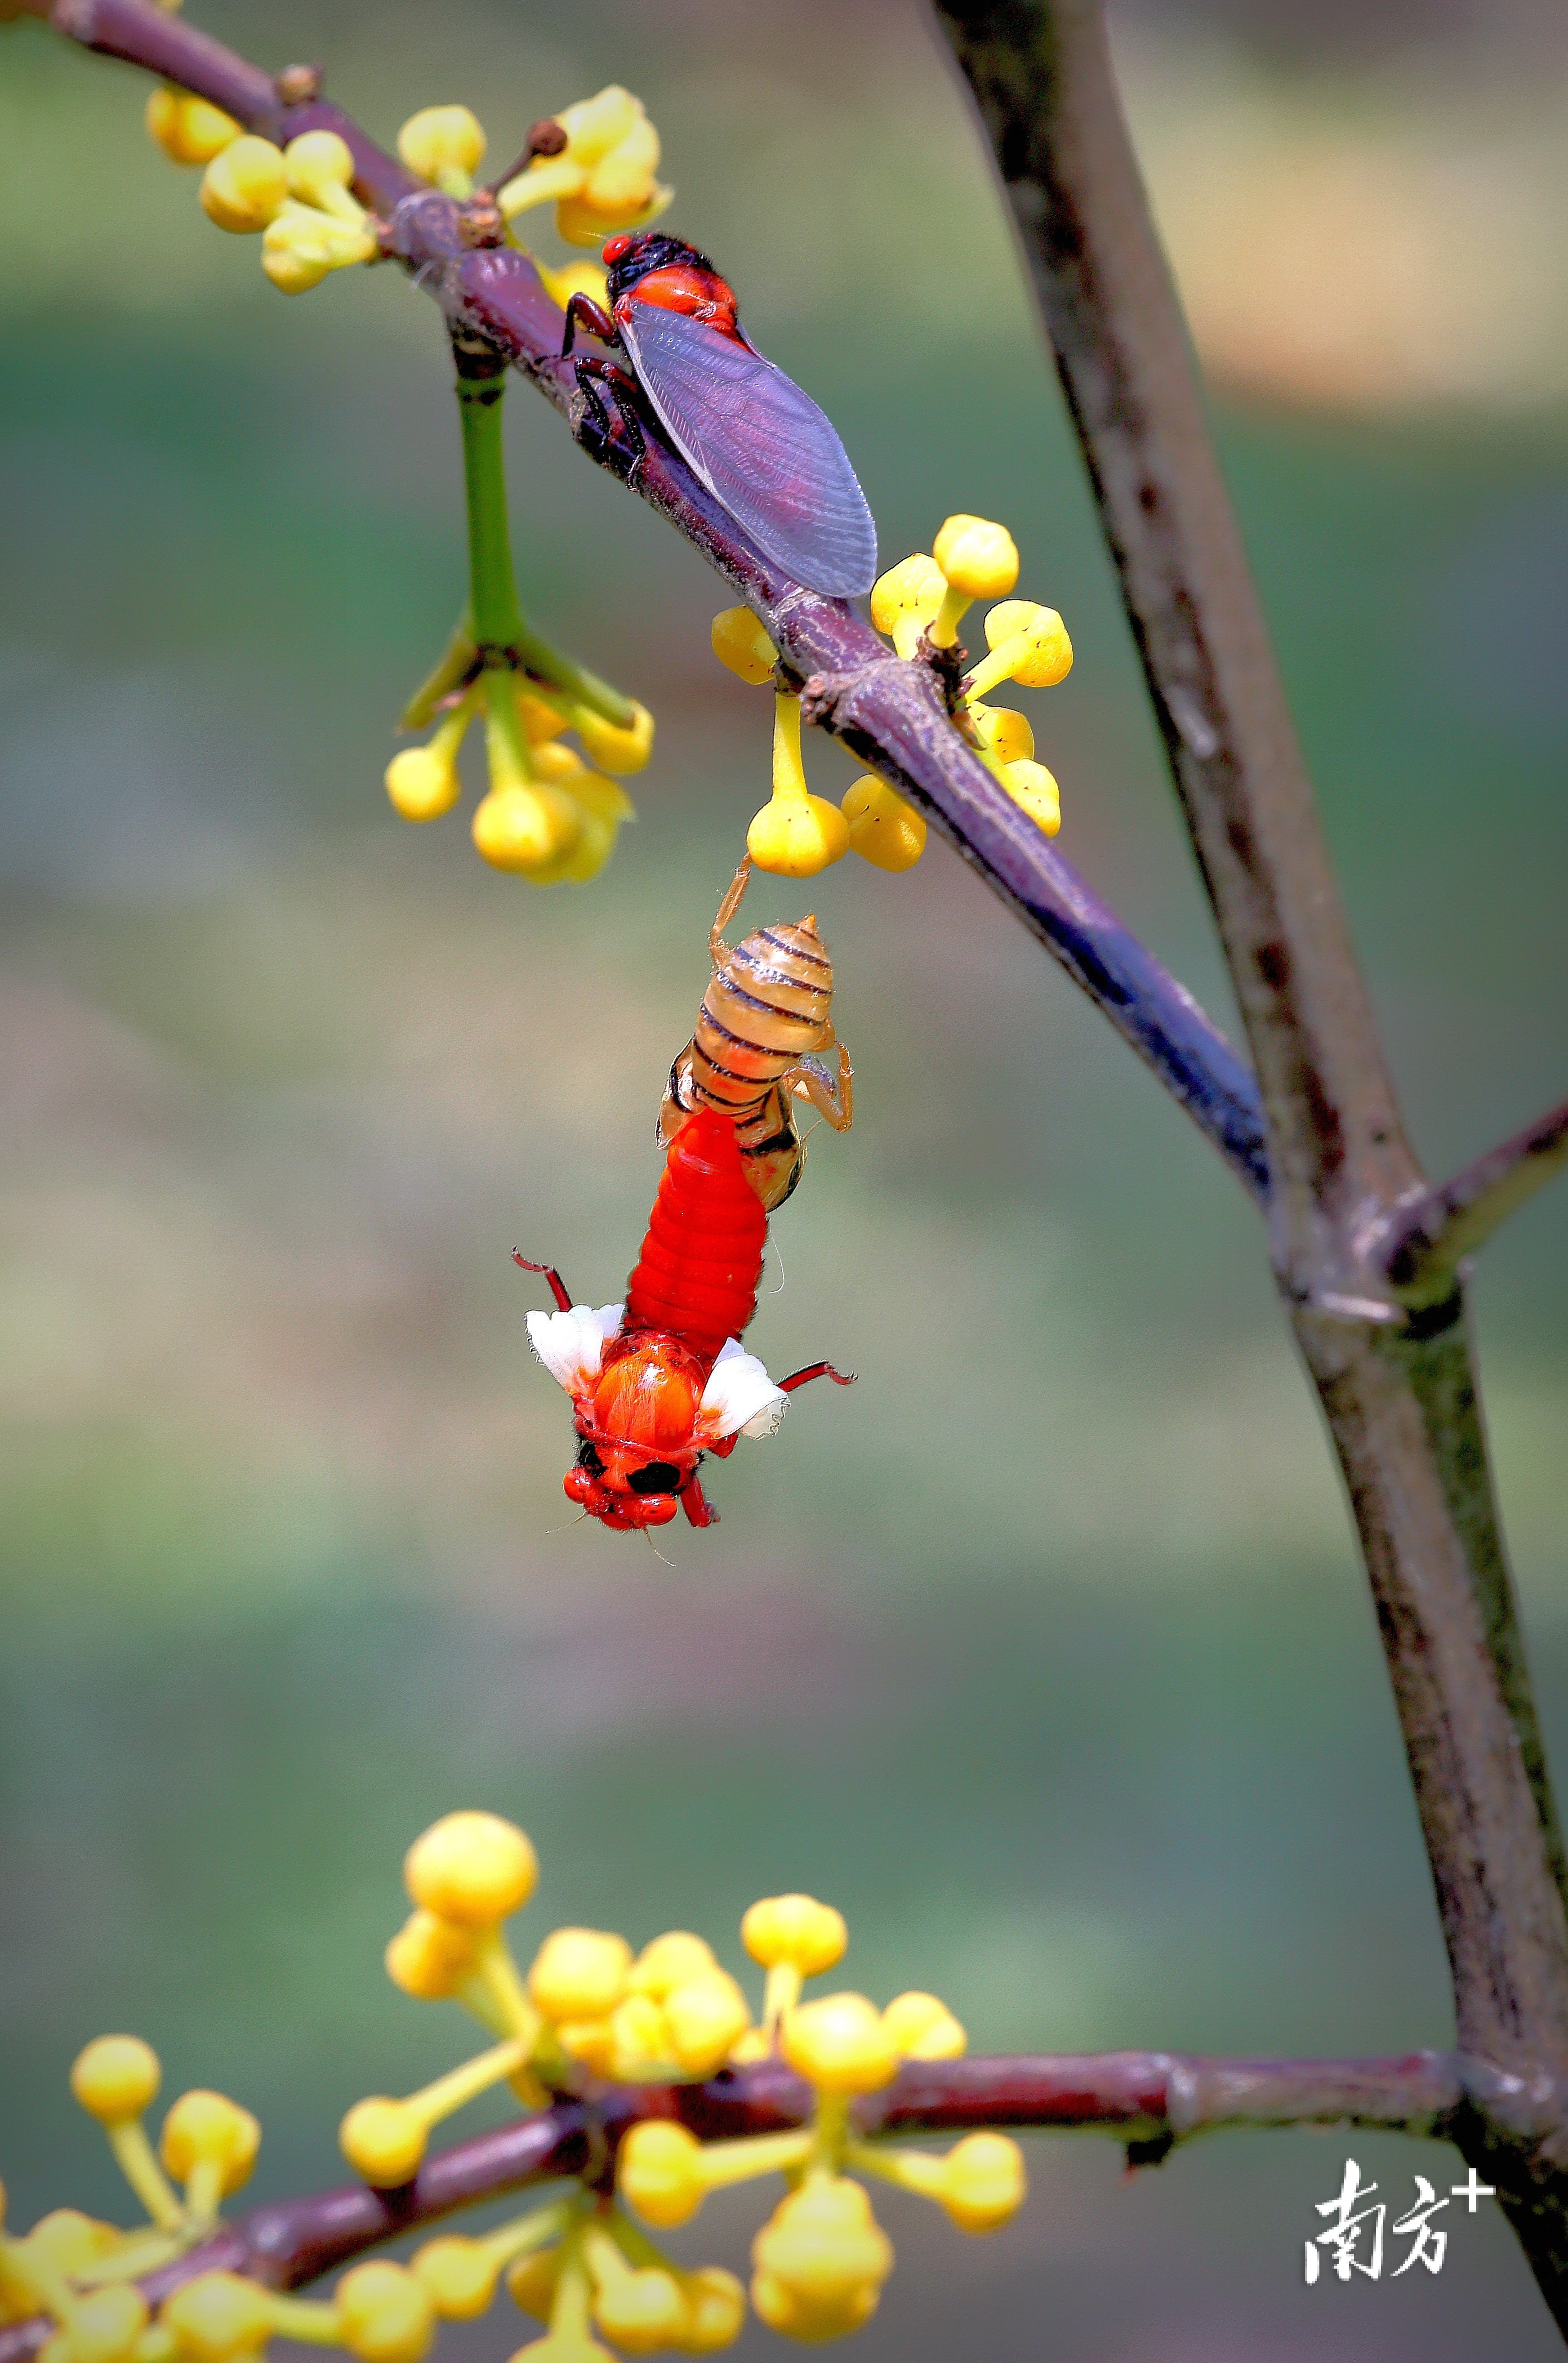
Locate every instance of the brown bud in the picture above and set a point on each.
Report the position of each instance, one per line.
(297, 85)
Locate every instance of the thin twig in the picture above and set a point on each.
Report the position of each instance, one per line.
(1150, 2100)
(891, 714)
(1421, 1244)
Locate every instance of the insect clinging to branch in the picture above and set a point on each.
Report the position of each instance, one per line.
(762, 446)
(767, 1010)
(660, 1380)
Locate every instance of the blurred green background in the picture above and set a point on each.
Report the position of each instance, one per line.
(1044, 1653)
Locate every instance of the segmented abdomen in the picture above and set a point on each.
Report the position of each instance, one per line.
(702, 1259)
(767, 1005)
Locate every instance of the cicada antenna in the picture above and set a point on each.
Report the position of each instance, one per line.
(816, 1370)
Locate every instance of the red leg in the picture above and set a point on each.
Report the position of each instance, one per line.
(815, 1370)
(697, 1507)
(557, 1285)
(594, 317)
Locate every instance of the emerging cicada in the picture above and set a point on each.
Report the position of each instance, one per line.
(765, 1015)
(658, 1383)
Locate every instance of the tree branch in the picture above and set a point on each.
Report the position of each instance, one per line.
(1422, 1242)
(1150, 2100)
(1398, 1388)
(891, 714)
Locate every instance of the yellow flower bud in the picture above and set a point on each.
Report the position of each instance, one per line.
(796, 838)
(594, 126)
(320, 167)
(909, 593)
(244, 185)
(428, 1957)
(1034, 791)
(583, 278)
(1004, 733)
(639, 2035)
(841, 2045)
(384, 2141)
(674, 1959)
(613, 747)
(1035, 639)
(115, 2077)
(107, 2324)
(203, 2128)
(658, 2172)
(579, 1973)
(884, 829)
(531, 2282)
(983, 2184)
(188, 130)
(301, 245)
(757, 2043)
(590, 2041)
(824, 2246)
(641, 2311)
(704, 2018)
(525, 830)
(777, 2305)
(421, 784)
(67, 2242)
(473, 1868)
(386, 2314)
(979, 561)
(555, 762)
(218, 2315)
(741, 643)
(921, 2027)
(540, 721)
(441, 140)
(795, 1929)
(460, 2275)
(579, 223)
(715, 2308)
(622, 183)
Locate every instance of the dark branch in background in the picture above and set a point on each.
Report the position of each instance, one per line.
(891, 714)
(1150, 2100)
(1423, 1242)
(1397, 1384)
(1321, 1141)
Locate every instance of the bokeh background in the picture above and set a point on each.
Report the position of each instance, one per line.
(1044, 1652)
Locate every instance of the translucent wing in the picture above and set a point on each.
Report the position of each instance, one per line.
(759, 445)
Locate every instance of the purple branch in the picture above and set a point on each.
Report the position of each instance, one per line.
(1150, 2100)
(891, 714)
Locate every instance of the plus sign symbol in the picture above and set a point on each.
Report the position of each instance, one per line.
(1470, 2189)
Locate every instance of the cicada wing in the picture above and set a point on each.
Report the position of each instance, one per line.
(760, 445)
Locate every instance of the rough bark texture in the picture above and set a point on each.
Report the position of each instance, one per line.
(1397, 1383)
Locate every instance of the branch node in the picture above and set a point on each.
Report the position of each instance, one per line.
(297, 85)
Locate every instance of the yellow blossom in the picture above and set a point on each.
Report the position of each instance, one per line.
(884, 829)
(796, 833)
(445, 145)
(218, 2315)
(579, 1973)
(209, 2143)
(841, 2045)
(471, 1867)
(603, 179)
(386, 2314)
(116, 2077)
(671, 1960)
(188, 130)
(921, 2027)
(740, 644)
(820, 2261)
(904, 600)
(1029, 644)
(1035, 792)
(245, 184)
(797, 1929)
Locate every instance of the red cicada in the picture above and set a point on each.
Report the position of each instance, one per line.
(760, 445)
(658, 1383)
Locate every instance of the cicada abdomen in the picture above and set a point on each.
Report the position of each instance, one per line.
(765, 1015)
(697, 1275)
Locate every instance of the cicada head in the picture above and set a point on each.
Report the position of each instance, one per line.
(639, 1433)
(633, 255)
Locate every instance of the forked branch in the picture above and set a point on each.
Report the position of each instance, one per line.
(1422, 1243)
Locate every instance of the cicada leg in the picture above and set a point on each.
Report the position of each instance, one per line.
(697, 1507)
(602, 442)
(816, 1370)
(836, 1103)
(558, 1288)
(718, 950)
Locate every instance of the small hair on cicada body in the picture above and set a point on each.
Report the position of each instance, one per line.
(765, 1019)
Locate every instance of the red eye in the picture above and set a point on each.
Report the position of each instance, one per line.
(615, 247)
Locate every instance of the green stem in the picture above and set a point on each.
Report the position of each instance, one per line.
(494, 610)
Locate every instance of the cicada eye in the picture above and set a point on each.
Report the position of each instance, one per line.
(655, 1477)
(588, 1459)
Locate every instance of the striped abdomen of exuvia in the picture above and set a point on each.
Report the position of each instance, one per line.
(765, 1015)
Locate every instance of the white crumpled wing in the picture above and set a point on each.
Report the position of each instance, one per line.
(571, 1345)
(739, 1395)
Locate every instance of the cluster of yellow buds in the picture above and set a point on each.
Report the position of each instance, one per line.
(547, 814)
(589, 2007)
(797, 834)
(601, 179)
(82, 2273)
(299, 197)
